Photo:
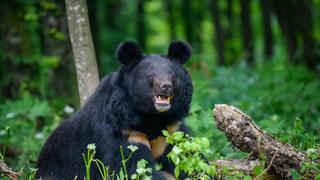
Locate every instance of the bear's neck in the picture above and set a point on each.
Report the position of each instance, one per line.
(153, 124)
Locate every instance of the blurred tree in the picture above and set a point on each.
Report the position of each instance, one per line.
(54, 44)
(83, 50)
(168, 4)
(219, 36)
(268, 38)
(186, 13)
(230, 19)
(246, 31)
(295, 18)
(141, 30)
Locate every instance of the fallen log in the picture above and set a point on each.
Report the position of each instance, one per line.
(9, 172)
(243, 133)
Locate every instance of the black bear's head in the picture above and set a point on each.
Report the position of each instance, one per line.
(156, 83)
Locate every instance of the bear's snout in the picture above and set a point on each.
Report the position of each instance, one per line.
(166, 86)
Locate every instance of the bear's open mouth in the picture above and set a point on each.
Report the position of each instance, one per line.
(162, 102)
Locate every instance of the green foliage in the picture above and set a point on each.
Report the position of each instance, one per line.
(282, 98)
(186, 154)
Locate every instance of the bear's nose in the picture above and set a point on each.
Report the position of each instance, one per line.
(166, 86)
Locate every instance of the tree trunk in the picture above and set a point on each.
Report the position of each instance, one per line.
(84, 55)
(268, 38)
(246, 31)
(304, 23)
(171, 20)
(186, 12)
(9, 172)
(230, 19)
(141, 32)
(219, 36)
(282, 10)
(243, 133)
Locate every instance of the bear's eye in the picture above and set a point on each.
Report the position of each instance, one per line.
(173, 76)
(149, 76)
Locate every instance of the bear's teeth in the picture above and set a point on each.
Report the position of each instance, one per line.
(163, 98)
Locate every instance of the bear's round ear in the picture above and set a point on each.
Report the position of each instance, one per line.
(180, 50)
(128, 51)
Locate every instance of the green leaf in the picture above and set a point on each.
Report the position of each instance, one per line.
(247, 178)
(165, 133)
(175, 159)
(295, 174)
(142, 163)
(176, 171)
(121, 174)
(177, 135)
(258, 170)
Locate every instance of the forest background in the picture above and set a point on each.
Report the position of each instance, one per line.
(260, 55)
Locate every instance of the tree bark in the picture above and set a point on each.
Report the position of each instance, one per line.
(9, 172)
(83, 49)
(246, 31)
(243, 133)
(219, 36)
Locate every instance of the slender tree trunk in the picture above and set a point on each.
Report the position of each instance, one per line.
(197, 18)
(268, 38)
(246, 31)
(171, 21)
(185, 11)
(84, 55)
(295, 18)
(305, 26)
(219, 37)
(141, 32)
(282, 10)
(230, 19)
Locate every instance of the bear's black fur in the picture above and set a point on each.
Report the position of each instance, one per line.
(149, 93)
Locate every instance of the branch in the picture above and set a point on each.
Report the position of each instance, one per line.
(83, 49)
(243, 133)
(8, 171)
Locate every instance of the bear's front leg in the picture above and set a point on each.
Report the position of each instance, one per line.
(143, 152)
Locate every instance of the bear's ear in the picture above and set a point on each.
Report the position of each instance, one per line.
(128, 51)
(180, 50)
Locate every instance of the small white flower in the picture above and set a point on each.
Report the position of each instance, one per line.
(147, 177)
(133, 148)
(10, 115)
(91, 146)
(68, 109)
(274, 117)
(141, 170)
(39, 135)
(2, 132)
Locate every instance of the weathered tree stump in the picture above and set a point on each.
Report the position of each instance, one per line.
(243, 133)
